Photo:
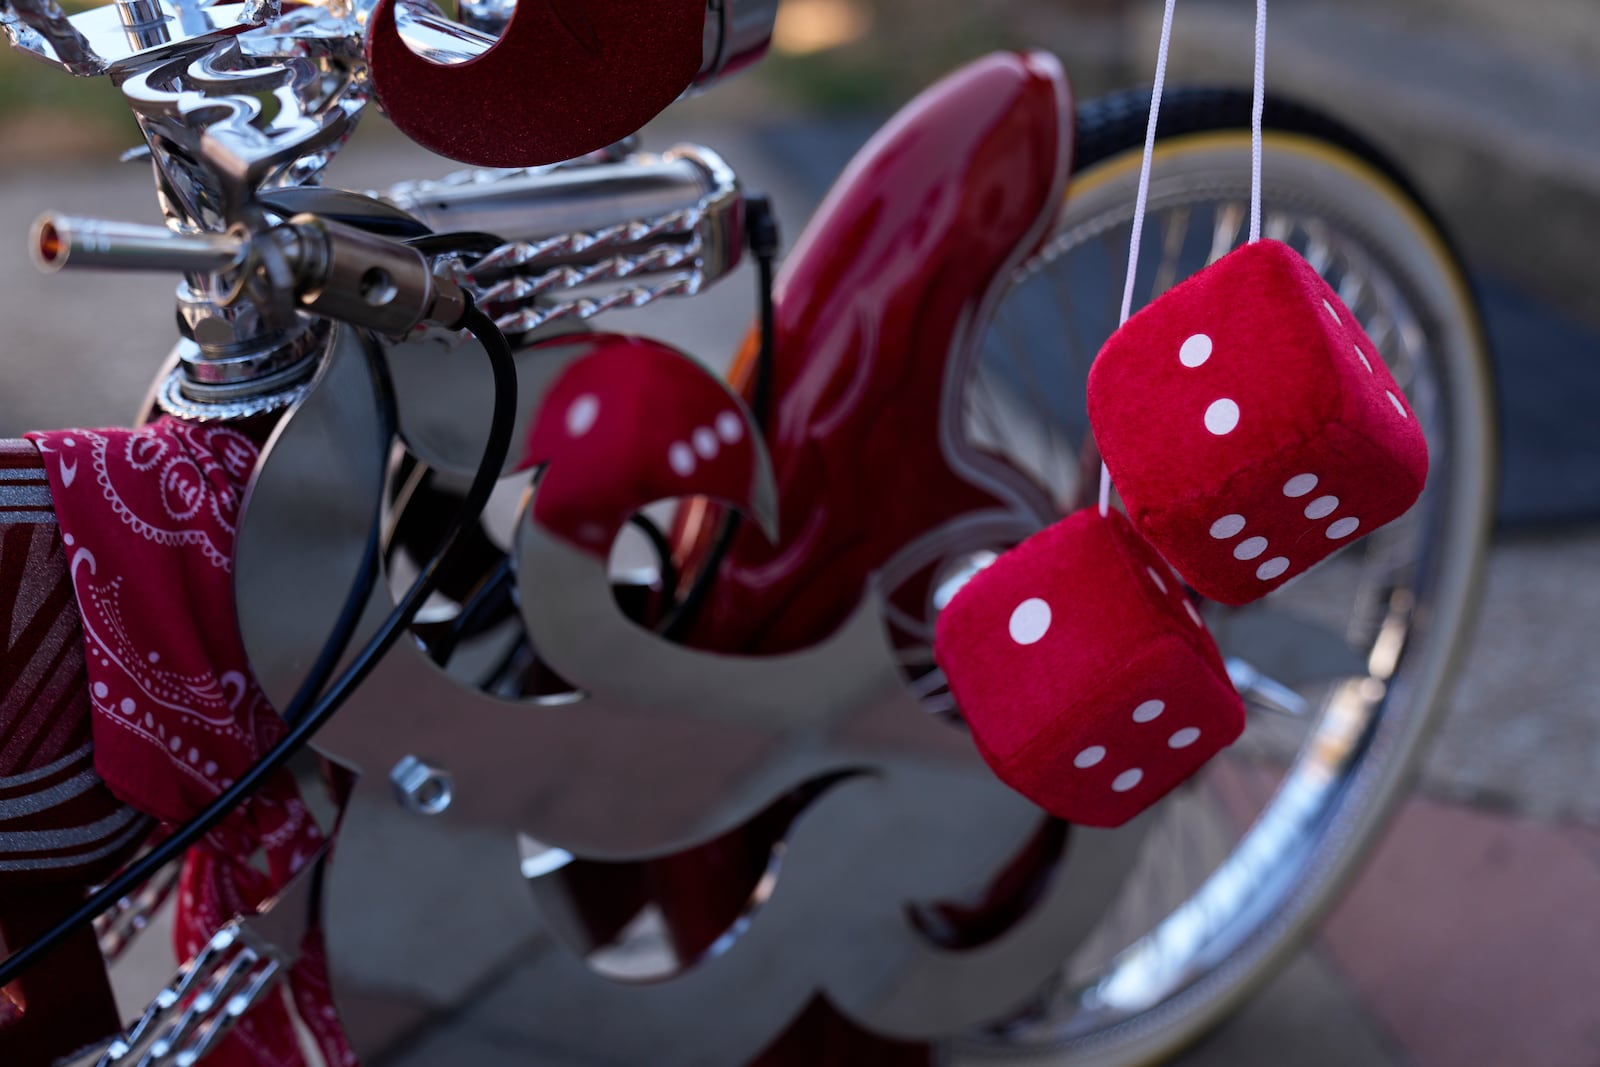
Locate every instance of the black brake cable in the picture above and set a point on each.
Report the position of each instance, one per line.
(355, 601)
(762, 227)
(659, 544)
(487, 605)
(307, 723)
(355, 604)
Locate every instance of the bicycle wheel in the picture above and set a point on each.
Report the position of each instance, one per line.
(1237, 868)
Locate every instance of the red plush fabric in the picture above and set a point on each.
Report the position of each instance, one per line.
(1250, 425)
(567, 77)
(1089, 681)
(631, 422)
(147, 517)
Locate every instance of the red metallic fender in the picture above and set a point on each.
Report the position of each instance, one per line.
(879, 309)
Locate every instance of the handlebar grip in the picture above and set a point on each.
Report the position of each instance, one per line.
(538, 204)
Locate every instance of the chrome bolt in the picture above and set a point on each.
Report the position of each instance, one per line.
(423, 788)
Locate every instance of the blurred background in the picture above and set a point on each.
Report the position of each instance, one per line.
(1474, 935)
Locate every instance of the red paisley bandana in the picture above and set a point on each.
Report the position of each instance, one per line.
(148, 519)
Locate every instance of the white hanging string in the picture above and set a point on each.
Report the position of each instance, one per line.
(1149, 154)
(1256, 107)
(1139, 205)
(1140, 201)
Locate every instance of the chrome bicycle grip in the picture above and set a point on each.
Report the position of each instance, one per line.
(584, 239)
(533, 204)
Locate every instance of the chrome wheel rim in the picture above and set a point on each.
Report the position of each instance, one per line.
(1219, 893)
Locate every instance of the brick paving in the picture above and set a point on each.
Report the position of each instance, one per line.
(1472, 939)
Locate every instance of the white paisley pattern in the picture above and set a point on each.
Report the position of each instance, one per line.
(160, 686)
(188, 483)
(176, 713)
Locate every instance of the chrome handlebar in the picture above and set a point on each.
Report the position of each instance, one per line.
(682, 209)
(576, 241)
(579, 238)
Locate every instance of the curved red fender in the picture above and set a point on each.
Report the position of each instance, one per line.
(634, 421)
(567, 77)
(879, 309)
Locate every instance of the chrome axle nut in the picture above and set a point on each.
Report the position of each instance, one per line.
(421, 787)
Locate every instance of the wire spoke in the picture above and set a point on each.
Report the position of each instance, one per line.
(1227, 225)
(1174, 234)
(1055, 445)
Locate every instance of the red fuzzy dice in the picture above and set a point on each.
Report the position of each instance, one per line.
(1250, 425)
(1086, 676)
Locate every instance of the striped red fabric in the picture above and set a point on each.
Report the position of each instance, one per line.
(58, 821)
(25, 497)
(60, 827)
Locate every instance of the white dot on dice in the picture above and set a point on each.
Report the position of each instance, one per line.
(582, 414)
(705, 443)
(1127, 780)
(1322, 507)
(1030, 621)
(729, 428)
(1362, 356)
(1148, 710)
(1089, 757)
(681, 458)
(1272, 568)
(1183, 738)
(1227, 526)
(1195, 351)
(1251, 548)
(1300, 485)
(1343, 528)
(1222, 416)
(1154, 577)
(1401, 408)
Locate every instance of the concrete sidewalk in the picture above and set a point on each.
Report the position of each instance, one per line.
(1491, 107)
(1499, 127)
